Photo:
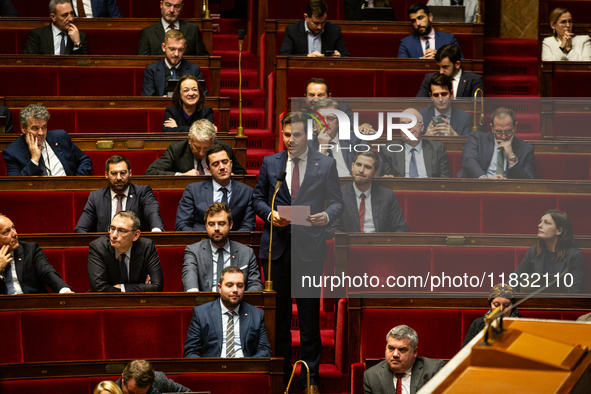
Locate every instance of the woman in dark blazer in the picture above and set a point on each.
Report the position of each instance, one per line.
(188, 99)
(554, 254)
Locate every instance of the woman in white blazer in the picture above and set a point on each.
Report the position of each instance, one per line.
(563, 45)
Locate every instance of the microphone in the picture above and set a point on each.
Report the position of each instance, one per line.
(241, 35)
(280, 180)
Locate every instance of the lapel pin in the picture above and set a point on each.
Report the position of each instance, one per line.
(233, 257)
(246, 314)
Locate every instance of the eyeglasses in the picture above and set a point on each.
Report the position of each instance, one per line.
(121, 231)
(503, 133)
(331, 118)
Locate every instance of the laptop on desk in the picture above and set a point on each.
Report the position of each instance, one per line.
(448, 13)
(378, 14)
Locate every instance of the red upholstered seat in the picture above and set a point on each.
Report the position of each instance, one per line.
(570, 124)
(112, 42)
(577, 209)
(169, 202)
(373, 45)
(2, 166)
(56, 259)
(357, 371)
(29, 221)
(563, 167)
(112, 121)
(76, 269)
(139, 160)
(47, 386)
(454, 161)
(12, 351)
(105, 82)
(80, 199)
(424, 213)
(29, 81)
(171, 260)
(8, 44)
(402, 83)
(524, 209)
(61, 119)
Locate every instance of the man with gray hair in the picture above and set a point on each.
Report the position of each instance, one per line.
(41, 152)
(188, 157)
(402, 371)
(62, 37)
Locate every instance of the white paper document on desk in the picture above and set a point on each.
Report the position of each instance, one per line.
(297, 214)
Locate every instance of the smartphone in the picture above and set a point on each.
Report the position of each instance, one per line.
(437, 120)
(329, 52)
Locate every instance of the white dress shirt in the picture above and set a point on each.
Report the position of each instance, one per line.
(314, 41)
(53, 164)
(165, 24)
(368, 225)
(455, 82)
(214, 256)
(217, 191)
(87, 8)
(431, 37)
(237, 345)
(419, 157)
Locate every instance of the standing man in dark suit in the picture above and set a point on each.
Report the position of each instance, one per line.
(313, 35)
(311, 181)
(188, 157)
(498, 154)
(120, 195)
(62, 37)
(96, 9)
(430, 157)
(442, 118)
(425, 41)
(369, 207)
(122, 261)
(205, 260)
(449, 60)
(401, 366)
(198, 197)
(43, 153)
(228, 327)
(139, 377)
(24, 269)
(157, 75)
(6, 112)
(7, 10)
(152, 37)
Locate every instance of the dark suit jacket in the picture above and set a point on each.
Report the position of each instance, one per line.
(6, 112)
(18, 157)
(179, 158)
(386, 213)
(162, 385)
(198, 266)
(103, 267)
(33, 270)
(352, 9)
(320, 185)
(7, 10)
(152, 37)
(295, 41)
(410, 46)
(205, 335)
(433, 152)
(155, 77)
(469, 82)
(347, 151)
(96, 216)
(103, 9)
(40, 42)
(184, 125)
(198, 196)
(478, 152)
(379, 378)
(461, 121)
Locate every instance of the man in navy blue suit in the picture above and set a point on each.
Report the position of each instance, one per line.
(41, 152)
(211, 323)
(425, 41)
(157, 75)
(199, 196)
(297, 251)
(97, 9)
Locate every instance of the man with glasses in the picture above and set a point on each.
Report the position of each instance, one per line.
(122, 261)
(498, 154)
(415, 159)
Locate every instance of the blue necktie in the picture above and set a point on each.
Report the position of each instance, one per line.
(63, 43)
(9, 279)
(225, 196)
(173, 71)
(123, 269)
(413, 171)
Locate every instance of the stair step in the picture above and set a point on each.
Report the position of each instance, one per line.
(260, 139)
(331, 380)
(230, 59)
(498, 85)
(254, 157)
(230, 79)
(251, 98)
(510, 65)
(510, 46)
(328, 343)
(230, 26)
(252, 118)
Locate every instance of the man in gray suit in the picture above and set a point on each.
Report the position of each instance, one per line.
(401, 366)
(205, 260)
(417, 159)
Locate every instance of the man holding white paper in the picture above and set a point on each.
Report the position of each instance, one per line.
(311, 181)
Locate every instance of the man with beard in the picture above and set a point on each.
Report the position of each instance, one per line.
(369, 207)
(228, 327)
(120, 195)
(425, 41)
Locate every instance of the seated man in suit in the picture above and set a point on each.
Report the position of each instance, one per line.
(62, 37)
(6, 112)
(417, 159)
(401, 366)
(204, 260)
(43, 153)
(470, 10)
(369, 207)
(211, 323)
(188, 157)
(425, 41)
(157, 75)
(498, 154)
(139, 377)
(24, 269)
(198, 197)
(449, 61)
(97, 9)
(313, 36)
(122, 261)
(7, 10)
(120, 195)
(442, 118)
(152, 37)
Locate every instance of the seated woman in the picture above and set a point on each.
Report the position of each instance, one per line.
(107, 387)
(188, 98)
(563, 44)
(555, 254)
(501, 295)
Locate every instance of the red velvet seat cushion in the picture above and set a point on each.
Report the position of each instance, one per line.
(12, 351)
(76, 269)
(525, 210)
(438, 212)
(570, 124)
(562, 166)
(171, 260)
(64, 119)
(380, 44)
(29, 81)
(29, 221)
(2, 166)
(139, 160)
(169, 202)
(80, 198)
(577, 209)
(402, 83)
(47, 386)
(111, 121)
(105, 81)
(112, 42)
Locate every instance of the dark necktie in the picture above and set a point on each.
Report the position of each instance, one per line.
(220, 264)
(362, 212)
(413, 171)
(399, 377)
(123, 269)
(225, 196)
(9, 279)
(295, 178)
(119, 203)
(171, 26)
(81, 12)
(427, 44)
(230, 352)
(63, 43)
(45, 171)
(501, 162)
(173, 72)
(330, 154)
(200, 168)
(458, 2)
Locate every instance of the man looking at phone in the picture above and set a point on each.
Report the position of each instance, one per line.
(441, 119)
(313, 36)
